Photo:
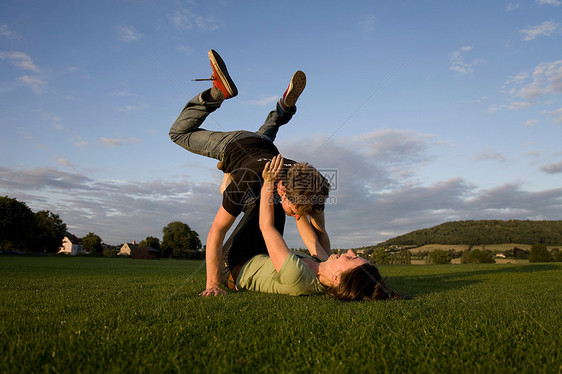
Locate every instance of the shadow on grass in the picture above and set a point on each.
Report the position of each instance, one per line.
(419, 285)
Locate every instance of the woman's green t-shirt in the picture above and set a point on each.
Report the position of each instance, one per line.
(294, 278)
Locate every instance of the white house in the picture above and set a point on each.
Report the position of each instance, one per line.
(127, 249)
(71, 245)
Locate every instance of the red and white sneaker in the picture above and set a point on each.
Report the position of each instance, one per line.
(297, 85)
(220, 77)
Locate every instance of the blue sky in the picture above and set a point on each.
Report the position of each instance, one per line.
(428, 111)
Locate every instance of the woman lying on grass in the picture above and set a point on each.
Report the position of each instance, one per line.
(346, 277)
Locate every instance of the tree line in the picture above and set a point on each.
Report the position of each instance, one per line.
(22, 230)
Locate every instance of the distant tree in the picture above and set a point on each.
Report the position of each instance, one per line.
(21, 229)
(92, 243)
(557, 254)
(439, 256)
(477, 256)
(380, 256)
(16, 223)
(179, 240)
(539, 253)
(49, 231)
(520, 253)
(404, 257)
(150, 241)
(109, 250)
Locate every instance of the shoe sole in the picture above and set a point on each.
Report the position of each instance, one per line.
(220, 68)
(298, 83)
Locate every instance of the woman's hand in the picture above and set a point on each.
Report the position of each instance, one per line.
(272, 169)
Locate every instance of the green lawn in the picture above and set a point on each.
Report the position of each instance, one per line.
(87, 315)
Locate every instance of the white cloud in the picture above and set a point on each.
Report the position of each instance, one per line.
(509, 200)
(514, 81)
(556, 115)
(36, 84)
(116, 142)
(128, 34)
(510, 7)
(185, 49)
(368, 22)
(480, 100)
(19, 59)
(393, 147)
(181, 19)
(552, 168)
(531, 91)
(7, 32)
(545, 78)
(457, 61)
(127, 108)
(53, 119)
(132, 108)
(65, 162)
(264, 102)
(494, 108)
(184, 19)
(41, 178)
(549, 2)
(488, 155)
(24, 61)
(544, 29)
(519, 105)
(207, 23)
(122, 93)
(552, 74)
(530, 123)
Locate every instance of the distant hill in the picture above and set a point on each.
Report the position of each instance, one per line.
(483, 232)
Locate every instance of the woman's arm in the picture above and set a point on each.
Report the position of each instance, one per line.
(276, 246)
(310, 238)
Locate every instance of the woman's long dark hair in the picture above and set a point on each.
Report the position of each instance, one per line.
(362, 283)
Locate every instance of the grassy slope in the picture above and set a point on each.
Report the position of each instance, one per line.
(109, 315)
(483, 231)
(491, 247)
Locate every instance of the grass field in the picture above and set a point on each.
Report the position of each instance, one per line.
(68, 315)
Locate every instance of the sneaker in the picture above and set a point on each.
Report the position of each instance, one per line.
(297, 85)
(220, 77)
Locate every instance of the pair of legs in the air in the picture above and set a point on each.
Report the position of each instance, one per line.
(186, 130)
(246, 240)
